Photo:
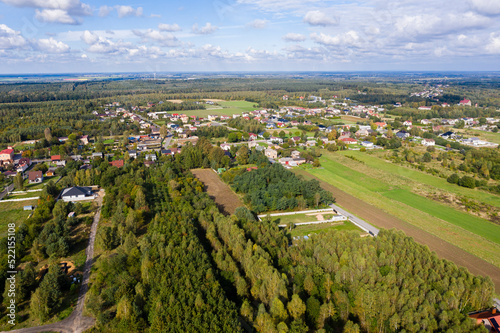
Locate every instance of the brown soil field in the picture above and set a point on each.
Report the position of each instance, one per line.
(351, 118)
(381, 219)
(227, 201)
(177, 101)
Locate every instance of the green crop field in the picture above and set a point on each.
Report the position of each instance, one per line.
(474, 224)
(390, 190)
(406, 175)
(227, 108)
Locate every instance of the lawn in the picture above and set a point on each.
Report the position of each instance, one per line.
(388, 189)
(109, 141)
(227, 108)
(12, 212)
(305, 230)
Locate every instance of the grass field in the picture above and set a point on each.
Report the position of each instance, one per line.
(488, 136)
(227, 108)
(378, 183)
(12, 212)
(305, 230)
(300, 218)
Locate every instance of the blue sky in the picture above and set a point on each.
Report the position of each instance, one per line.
(57, 36)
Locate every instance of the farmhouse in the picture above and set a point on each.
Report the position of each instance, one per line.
(77, 193)
(35, 177)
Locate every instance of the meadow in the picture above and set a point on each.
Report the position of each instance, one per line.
(389, 187)
(12, 212)
(308, 229)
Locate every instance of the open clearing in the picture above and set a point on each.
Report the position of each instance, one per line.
(12, 212)
(382, 219)
(176, 101)
(224, 197)
(305, 230)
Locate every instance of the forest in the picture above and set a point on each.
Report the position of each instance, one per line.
(275, 188)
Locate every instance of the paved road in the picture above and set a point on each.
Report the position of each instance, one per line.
(76, 322)
(6, 191)
(356, 220)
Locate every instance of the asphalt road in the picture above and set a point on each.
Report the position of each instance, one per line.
(356, 220)
(76, 322)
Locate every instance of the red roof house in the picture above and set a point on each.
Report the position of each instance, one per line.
(117, 163)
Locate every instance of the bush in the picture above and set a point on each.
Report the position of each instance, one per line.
(467, 181)
(454, 179)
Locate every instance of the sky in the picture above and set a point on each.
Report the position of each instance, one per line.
(78, 36)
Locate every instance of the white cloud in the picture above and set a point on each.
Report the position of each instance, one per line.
(316, 17)
(350, 38)
(258, 24)
(10, 38)
(430, 25)
(55, 11)
(169, 27)
(294, 37)
(51, 46)
(280, 6)
(165, 39)
(128, 11)
(205, 30)
(486, 7)
(493, 46)
(105, 10)
(89, 37)
(55, 16)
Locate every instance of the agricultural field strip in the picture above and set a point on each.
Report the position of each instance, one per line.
(474, 224)
(411, 175)
(447, 231)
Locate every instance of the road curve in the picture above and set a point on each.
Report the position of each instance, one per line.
(76, 322)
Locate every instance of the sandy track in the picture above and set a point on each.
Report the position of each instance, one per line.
(224, 197)
(381, 219)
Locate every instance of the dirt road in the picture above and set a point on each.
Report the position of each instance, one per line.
(381, 219)
(227, 201)
(76, 322)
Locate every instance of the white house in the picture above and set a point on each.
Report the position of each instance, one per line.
(367, 144)
(77, 193)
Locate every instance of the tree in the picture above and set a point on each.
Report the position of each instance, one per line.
(38, 306)
(454, 178)
(427, 157)
(19, 181)
(242, 155)
(48, 134)
(163, 131)
(296, 307)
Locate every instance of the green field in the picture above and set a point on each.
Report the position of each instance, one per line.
(109, 141)
(488, 136)
(300, 218)
(227, 108)
(388, 186)
(305, 230)
(12, 212)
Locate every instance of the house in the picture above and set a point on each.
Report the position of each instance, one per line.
(295, 154)
(35, 177)
(7, 156)
(489, 318)
(55, 158)
(252, 144)
(117, 163)
(151, 157)
(271, 153)
(23, 164)
(427, 108)
(84, 139)
(252, 136)
(448, 135)
(349, 141)
(367, 144)
(402, 135)
(50, 173)
(225, 146)
(407, 123)
(425, 122)
(465, 102)
(96, 155)
(133, 153)
(428, 142)
(274, 139)
(77, 193)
